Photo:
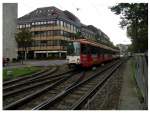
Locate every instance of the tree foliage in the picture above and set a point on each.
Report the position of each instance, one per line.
(134, 17)
(78, 34)
(24, 39)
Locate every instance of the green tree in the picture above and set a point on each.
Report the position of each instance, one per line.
(24, 40)
(78, 34)
(134, 17)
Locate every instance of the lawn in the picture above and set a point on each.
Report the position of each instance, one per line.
(16, 72)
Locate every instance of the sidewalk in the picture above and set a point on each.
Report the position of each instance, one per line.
(128, 97)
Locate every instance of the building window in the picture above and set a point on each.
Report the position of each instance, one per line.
(49, 22)
(48, 33)
(51, 33)
(36, 43)
(23, 26)
(44, 33)
(36, 23)
(49, 43)
(56, 42)
(27, 25)
(61, 33)
(71, 27)
(41, 23)
(74, 29)
(58, 22)
(64, 24)
(43, 42)
(32, 23)
(61, 23)
(68, 26)
(44, 22)
(32, 34)
(20, 26)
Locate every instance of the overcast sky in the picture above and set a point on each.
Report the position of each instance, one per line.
(91, 12)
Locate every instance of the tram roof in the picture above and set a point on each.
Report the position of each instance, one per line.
(86, 41)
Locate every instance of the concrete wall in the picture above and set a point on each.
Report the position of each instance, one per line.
(9, 29)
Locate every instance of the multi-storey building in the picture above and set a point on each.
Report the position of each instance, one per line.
(87, 32)
(51, 29)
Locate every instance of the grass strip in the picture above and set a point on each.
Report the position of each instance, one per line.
(17, 72)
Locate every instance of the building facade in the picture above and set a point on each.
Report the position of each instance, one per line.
(51, 29)
(9, 29)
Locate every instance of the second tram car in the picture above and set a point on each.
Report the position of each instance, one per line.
(88, 53)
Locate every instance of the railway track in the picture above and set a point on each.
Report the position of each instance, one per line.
(7, 82)
(9, 85)
(21, 92)
(33, 99)
(64, 81)
(76, 96)
(35, 82)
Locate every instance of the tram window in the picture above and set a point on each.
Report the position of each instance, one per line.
(99, 51)
(73, 48)
(83, 49)
(70, 48)
(94, 50)
(76, 48)
(104, 51)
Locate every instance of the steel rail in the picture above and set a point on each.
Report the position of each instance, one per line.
(52, 79)
(30, 80)
(25, 77)
(58, 97)
(84, 99)
(18, 103)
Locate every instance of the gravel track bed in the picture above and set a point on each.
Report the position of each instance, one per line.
(70, 99)
(24, 93)
(107, 98)
(52, 92)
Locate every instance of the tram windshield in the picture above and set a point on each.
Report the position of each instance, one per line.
(73, 48)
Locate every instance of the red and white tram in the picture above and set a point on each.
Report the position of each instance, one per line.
(88, 53)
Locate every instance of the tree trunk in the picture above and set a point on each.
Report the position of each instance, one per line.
(25, 57)
(25, 53)
(22, 57)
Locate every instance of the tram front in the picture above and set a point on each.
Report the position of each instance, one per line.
(73, 53)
